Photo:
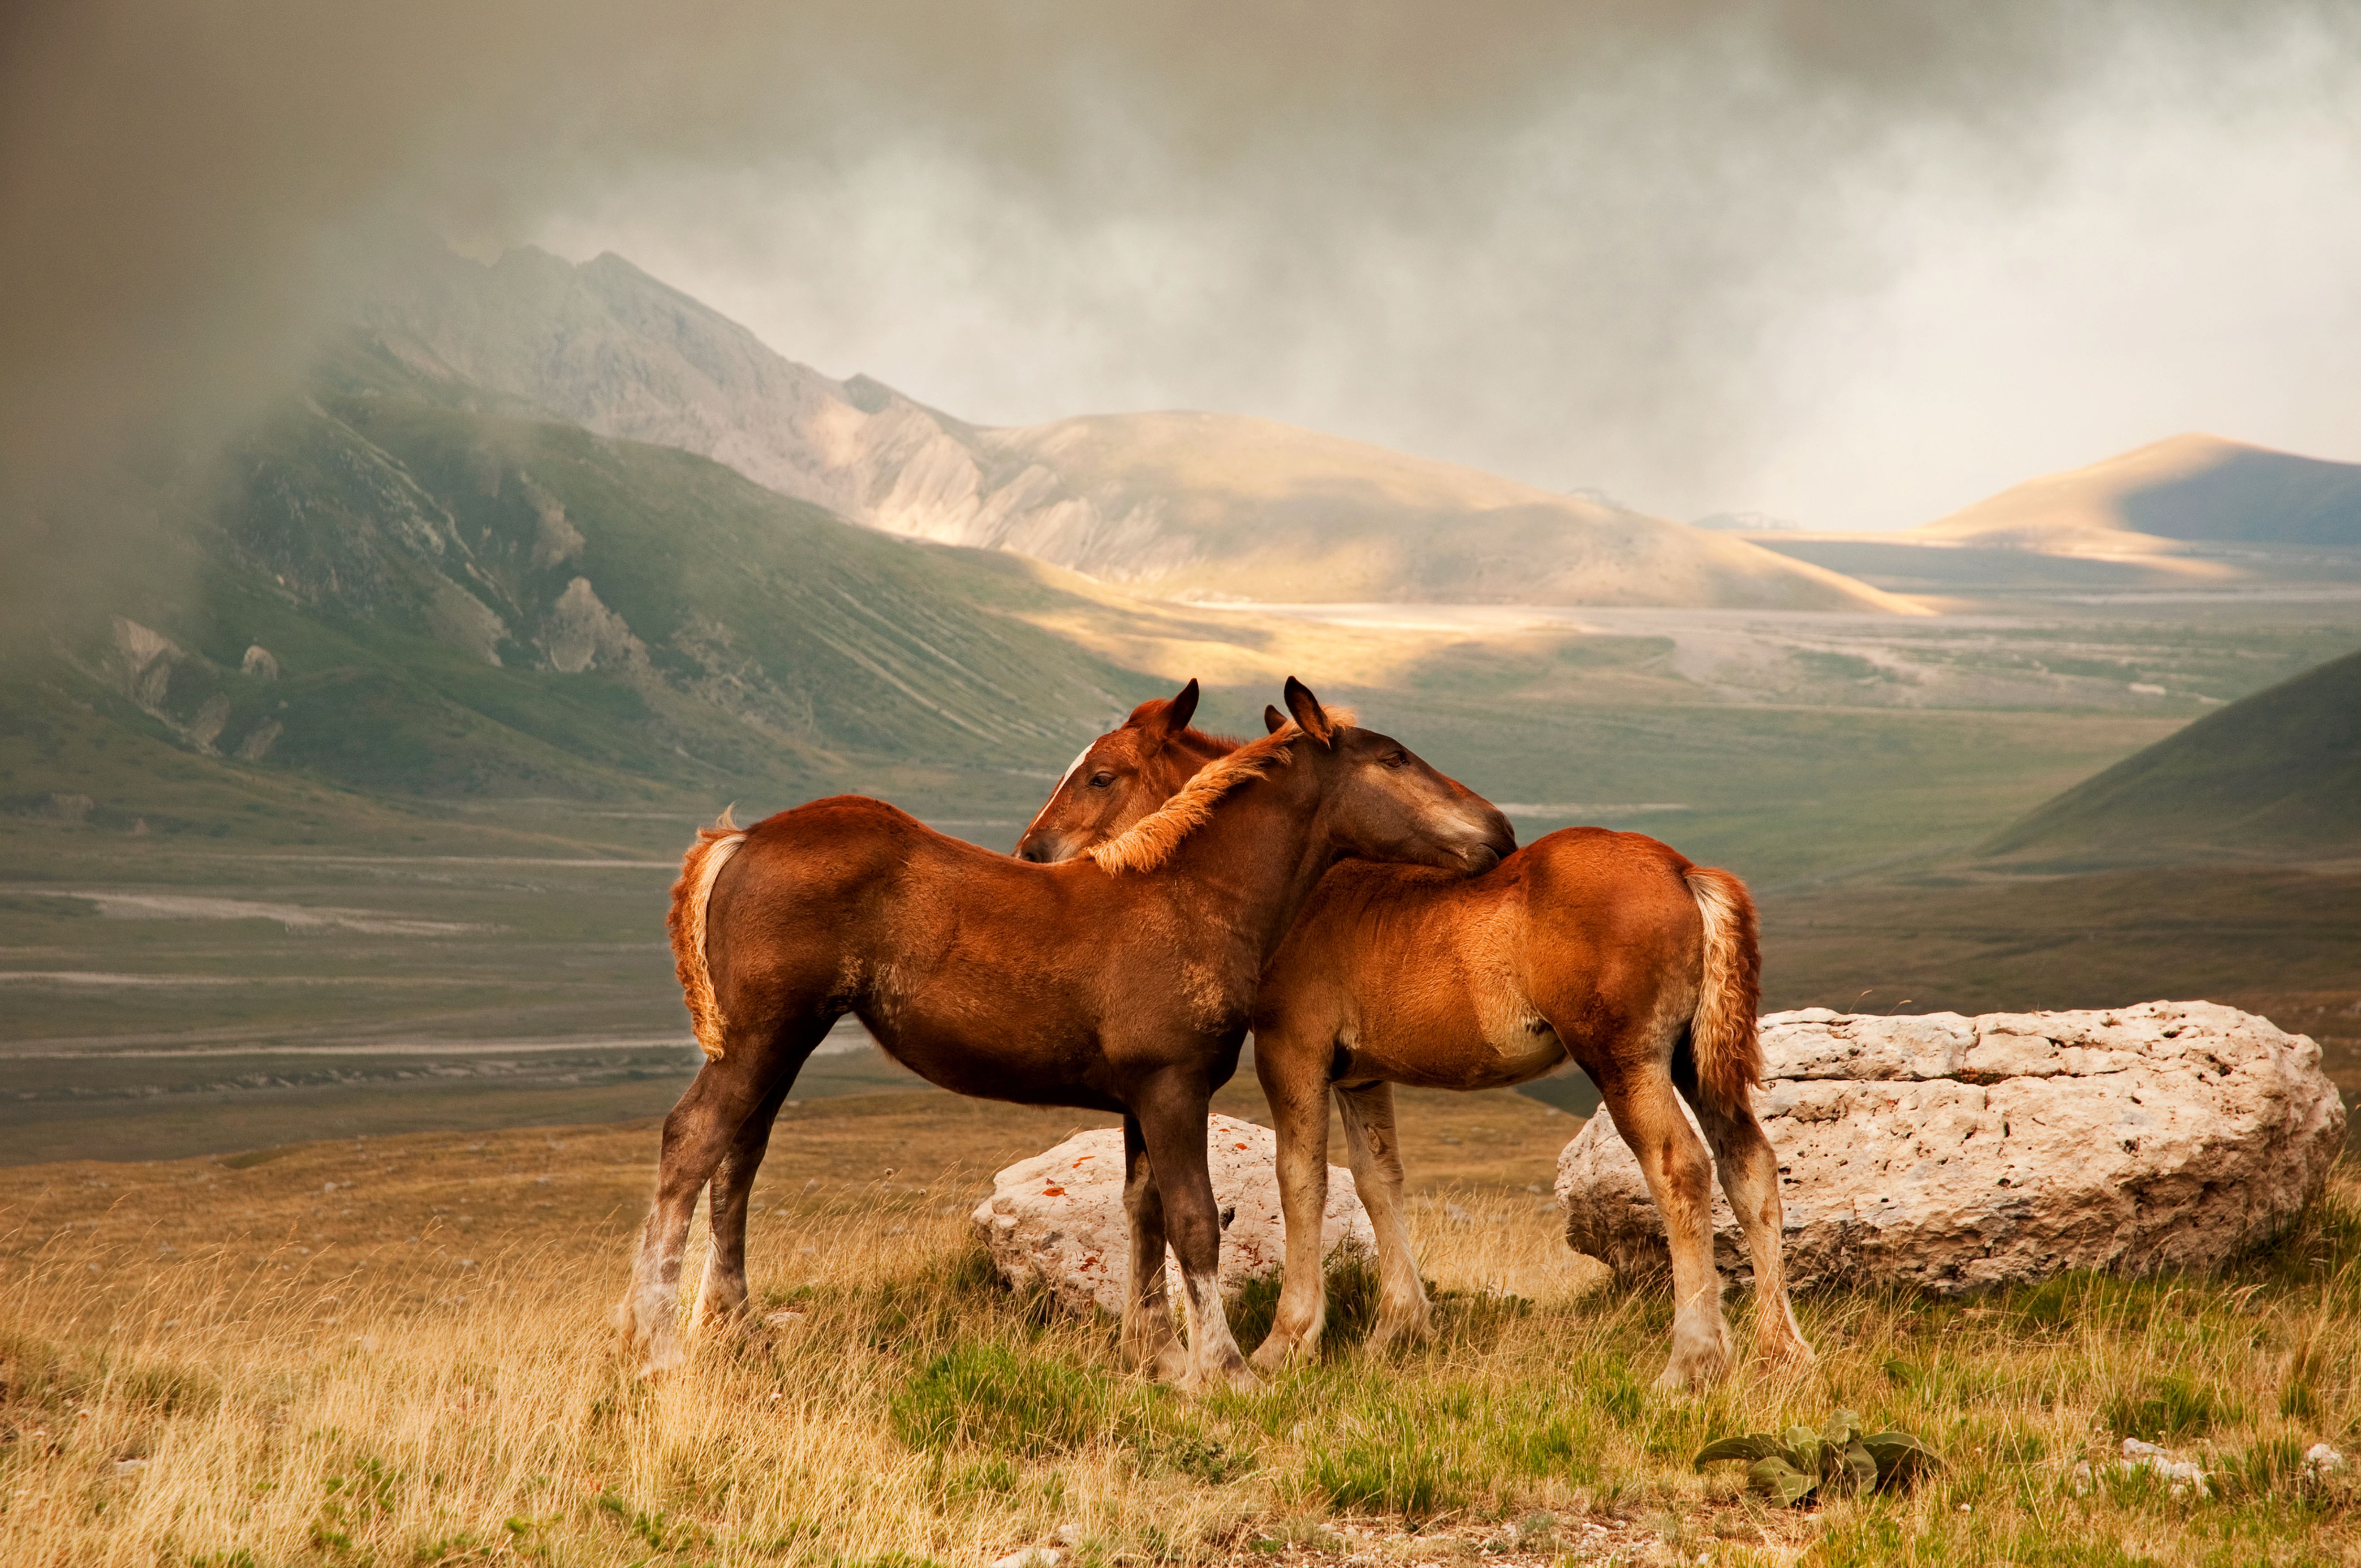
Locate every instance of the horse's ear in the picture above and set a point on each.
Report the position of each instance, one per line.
(1310, 717)
(1183, 708)
(1160, 718)
(1272, 720)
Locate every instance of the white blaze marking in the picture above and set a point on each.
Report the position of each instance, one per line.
(1069, 773)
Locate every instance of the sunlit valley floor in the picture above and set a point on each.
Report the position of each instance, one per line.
(256, 957)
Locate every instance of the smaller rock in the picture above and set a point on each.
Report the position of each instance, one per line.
(783, 1317)
(1031, 1557)
(2322, 1460)
(261, 662)
(1068, 1534)
(1057, 1219)
(2181, 1475)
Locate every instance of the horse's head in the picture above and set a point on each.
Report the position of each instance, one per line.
(1387, 805)
(1383, 803)
(1121, 777)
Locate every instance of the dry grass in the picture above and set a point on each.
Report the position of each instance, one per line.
(218, 1366)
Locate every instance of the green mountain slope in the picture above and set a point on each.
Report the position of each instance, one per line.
(2276, 774)
(384, 591)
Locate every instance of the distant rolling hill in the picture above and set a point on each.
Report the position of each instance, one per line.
(2274, 775)
(383, 591)
(2192, 510)
(2188, 489)
(1169, 503)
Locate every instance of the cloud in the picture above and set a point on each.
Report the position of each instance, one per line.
(1613, 244)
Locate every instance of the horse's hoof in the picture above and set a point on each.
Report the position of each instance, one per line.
(1680, 1378)
(1407, 1335)
(1272, 1356)
(661, 1359)
(1168, 1365)
(1238, 1377)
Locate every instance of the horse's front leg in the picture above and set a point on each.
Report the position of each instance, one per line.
(1375, 1151)
(1295, 1083)
(1172, 1115)
(1149, 1342)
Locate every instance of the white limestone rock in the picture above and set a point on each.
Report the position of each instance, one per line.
(1057, 1219)
(1954, 1153)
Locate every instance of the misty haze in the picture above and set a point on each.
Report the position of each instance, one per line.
(452, 463)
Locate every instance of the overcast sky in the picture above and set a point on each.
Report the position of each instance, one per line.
(1722, 280)
(1851, 264)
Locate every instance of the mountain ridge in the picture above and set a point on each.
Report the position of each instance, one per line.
(1267, 510)
(389, 592)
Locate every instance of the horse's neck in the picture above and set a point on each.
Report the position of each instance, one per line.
(1190, 751)
(1263, 846)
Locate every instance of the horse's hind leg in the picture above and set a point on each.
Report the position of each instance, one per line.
(697, 1136)
(1750, 1175)
(1149, 1342)
(1296, 1085)
(1376, 1153)
(722, 1296)
(1680, 1179)
(1172, 1115)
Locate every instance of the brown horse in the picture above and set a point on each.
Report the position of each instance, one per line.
(1607, 947)
(1120, 983)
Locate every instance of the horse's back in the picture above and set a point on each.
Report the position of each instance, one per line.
(818, 895)
(1431, 978)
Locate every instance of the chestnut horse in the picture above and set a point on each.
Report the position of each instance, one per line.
(1122, 981)
(1607, 947)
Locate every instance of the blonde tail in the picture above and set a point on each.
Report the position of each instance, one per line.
(698, 870)
(1721, 1034)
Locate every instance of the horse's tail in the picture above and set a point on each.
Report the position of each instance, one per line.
(1722, 1037)
(698, 868)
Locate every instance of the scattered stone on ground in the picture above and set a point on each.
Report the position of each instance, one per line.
(1954, 1153)
(1057, 1219)
(1031, 1557)
(2179, 1473)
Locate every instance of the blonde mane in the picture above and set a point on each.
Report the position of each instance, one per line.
(1150, 841)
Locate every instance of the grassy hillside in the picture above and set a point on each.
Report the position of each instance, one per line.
(2274, 774)
(387, 593)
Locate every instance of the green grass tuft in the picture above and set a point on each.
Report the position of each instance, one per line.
(1005, 1400)
(2168, 1409)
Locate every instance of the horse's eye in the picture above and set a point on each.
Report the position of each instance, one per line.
(1100, 781)
(1394, 760)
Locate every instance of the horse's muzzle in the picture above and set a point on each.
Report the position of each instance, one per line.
(1041, 849)
(1497, 844)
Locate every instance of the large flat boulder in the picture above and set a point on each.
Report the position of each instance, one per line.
(1056, 1220)
(1956, 1154)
